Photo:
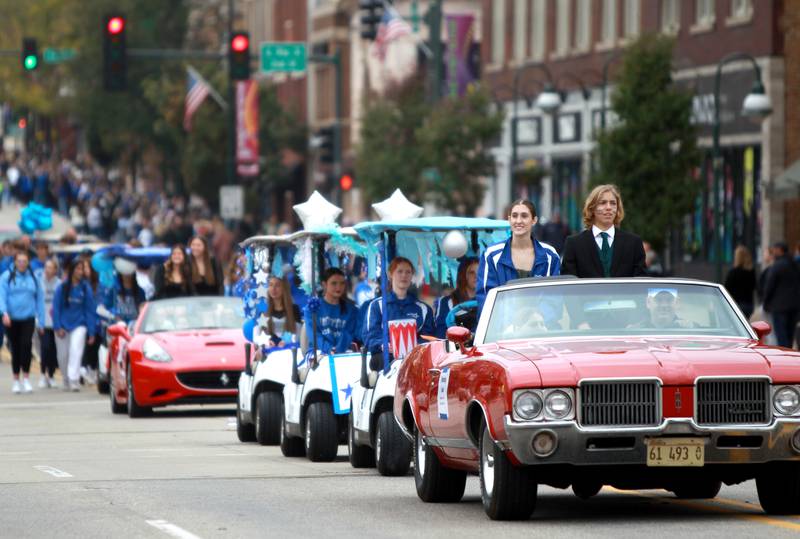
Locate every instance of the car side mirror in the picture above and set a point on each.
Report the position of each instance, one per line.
(119, 330)
(762, 329)
(461, 336)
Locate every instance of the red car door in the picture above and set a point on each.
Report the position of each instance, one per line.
(448, 398)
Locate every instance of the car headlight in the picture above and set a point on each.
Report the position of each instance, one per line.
(557, 405)
(528, 405)
(154, 352)
(786, 400)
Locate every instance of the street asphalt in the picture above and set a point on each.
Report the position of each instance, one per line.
(69, 468)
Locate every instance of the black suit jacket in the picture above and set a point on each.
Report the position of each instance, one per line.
(582, 257)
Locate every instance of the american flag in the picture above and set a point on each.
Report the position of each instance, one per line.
(391, 27)
(197, 91)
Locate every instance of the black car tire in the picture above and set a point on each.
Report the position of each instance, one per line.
(134, 410)
(778, 487)
(246, 432)
(361, 456)
(321, 433)
(291, 446)
(435, 483)
(103, 385)
(267, 417)
(700, 489)
(392, 448)
(509, 493)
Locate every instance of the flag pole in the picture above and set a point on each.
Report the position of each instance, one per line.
(212, 92)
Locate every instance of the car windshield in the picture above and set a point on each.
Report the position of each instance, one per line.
(612, 308)
(182, 314)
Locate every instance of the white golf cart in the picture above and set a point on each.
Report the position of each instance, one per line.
(374, 438)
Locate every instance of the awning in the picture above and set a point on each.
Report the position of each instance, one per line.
(788, 182)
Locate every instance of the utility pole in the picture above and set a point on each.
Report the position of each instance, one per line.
(434, 20)
(230, 164)
(335, 60)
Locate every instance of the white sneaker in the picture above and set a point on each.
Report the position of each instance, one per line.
(43, 382)
(51, 382)
(26, 386)
(17, 387)
(74, 387)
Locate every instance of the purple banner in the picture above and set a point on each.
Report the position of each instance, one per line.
(458, 72)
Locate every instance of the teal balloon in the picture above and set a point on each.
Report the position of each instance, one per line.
(248, 328)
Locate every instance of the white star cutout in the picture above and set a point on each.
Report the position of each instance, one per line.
(261, 291)
(261, 277)
(263, 320)
(317, 212)
(397, 207)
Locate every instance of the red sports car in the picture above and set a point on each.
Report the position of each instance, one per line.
(182, 351)
(635, 383)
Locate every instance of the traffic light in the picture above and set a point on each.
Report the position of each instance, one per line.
(346, 182)
(115, 57)
(325, 135)
(30, 54)
(371, 14)
(239, 56)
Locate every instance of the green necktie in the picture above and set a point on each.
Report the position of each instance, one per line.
(605, 255)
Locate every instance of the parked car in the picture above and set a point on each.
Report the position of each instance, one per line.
(634, 383)
(186, 350)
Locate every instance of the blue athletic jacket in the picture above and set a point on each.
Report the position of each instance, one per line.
(398, 309)
(336, 327)
(496, 268)
(77, 310)
(22, 297)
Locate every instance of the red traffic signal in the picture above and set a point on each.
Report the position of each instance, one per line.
(115, 25)
(22, 123)
(346, 182)
(240, 43)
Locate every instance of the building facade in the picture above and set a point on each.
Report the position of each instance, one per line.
(576, 42)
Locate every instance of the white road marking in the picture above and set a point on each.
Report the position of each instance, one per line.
(55, 472)
(171, 529)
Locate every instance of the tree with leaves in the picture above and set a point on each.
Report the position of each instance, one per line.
(651, 151)
(434, 153)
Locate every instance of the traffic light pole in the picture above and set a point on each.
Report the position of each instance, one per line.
(231, 161)
(434, 20)
(336, 60)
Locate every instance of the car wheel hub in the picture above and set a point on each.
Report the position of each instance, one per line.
(420, 455)
(378, 445)
(487, 465)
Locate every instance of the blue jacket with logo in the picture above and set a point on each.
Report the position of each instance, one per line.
(398, 309)
(496, 268)
(21, 297)
(76, 310)
(336, 326)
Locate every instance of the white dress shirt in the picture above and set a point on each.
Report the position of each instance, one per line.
(599, 239)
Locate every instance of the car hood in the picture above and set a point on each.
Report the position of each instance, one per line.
(674, 361)
(207, 347)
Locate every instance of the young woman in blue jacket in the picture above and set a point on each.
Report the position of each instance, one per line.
(74, 321)
(466, 281)
(21, 304)
(336, 316)
(518, 257)
(400, 305)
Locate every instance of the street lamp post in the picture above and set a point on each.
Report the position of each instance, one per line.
(549, 100)
(756, 103)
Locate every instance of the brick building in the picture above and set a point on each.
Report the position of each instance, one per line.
(576, 39)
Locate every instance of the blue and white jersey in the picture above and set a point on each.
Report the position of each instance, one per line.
(397, 309)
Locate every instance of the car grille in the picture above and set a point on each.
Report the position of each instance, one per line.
(732, 402)
(210, 379)
(617, 403)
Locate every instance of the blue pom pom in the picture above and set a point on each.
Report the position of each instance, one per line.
(313, 304)
(261, 306)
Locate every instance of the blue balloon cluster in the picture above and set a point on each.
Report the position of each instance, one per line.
(35, 217)
(248, 327)
(104, 266)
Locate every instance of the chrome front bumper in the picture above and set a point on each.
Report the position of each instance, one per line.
(620, 446)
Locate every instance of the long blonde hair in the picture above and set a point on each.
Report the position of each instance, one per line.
(742, 258)
(594, 198)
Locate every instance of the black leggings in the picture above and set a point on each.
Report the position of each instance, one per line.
(20, 337)
(47, 352)
(90, 354)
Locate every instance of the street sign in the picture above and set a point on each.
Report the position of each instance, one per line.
(54, 56)
(231, 202)
(281, 56)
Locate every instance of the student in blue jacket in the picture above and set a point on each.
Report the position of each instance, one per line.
(336, 317)
(74, 321)
(21, 304)
(400, 304)
(466, 280)
(518, 257)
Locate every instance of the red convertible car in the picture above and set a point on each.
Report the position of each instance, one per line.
(180, 351)
(634, 383)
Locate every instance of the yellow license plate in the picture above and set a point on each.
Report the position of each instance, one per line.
(675, 452)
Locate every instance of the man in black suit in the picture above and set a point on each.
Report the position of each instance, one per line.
(782, 294)
(603, 250)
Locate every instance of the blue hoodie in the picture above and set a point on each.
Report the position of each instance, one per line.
(121, 303)
(398, 309)
(21, 297)
(77, 310)
(496, 268)
(336, 326)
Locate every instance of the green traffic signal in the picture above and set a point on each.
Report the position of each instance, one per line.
(30, 54)
(31, 61)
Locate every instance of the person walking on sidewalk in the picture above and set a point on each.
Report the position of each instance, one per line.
(47, 339)
(21, 304)
(74, 321)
